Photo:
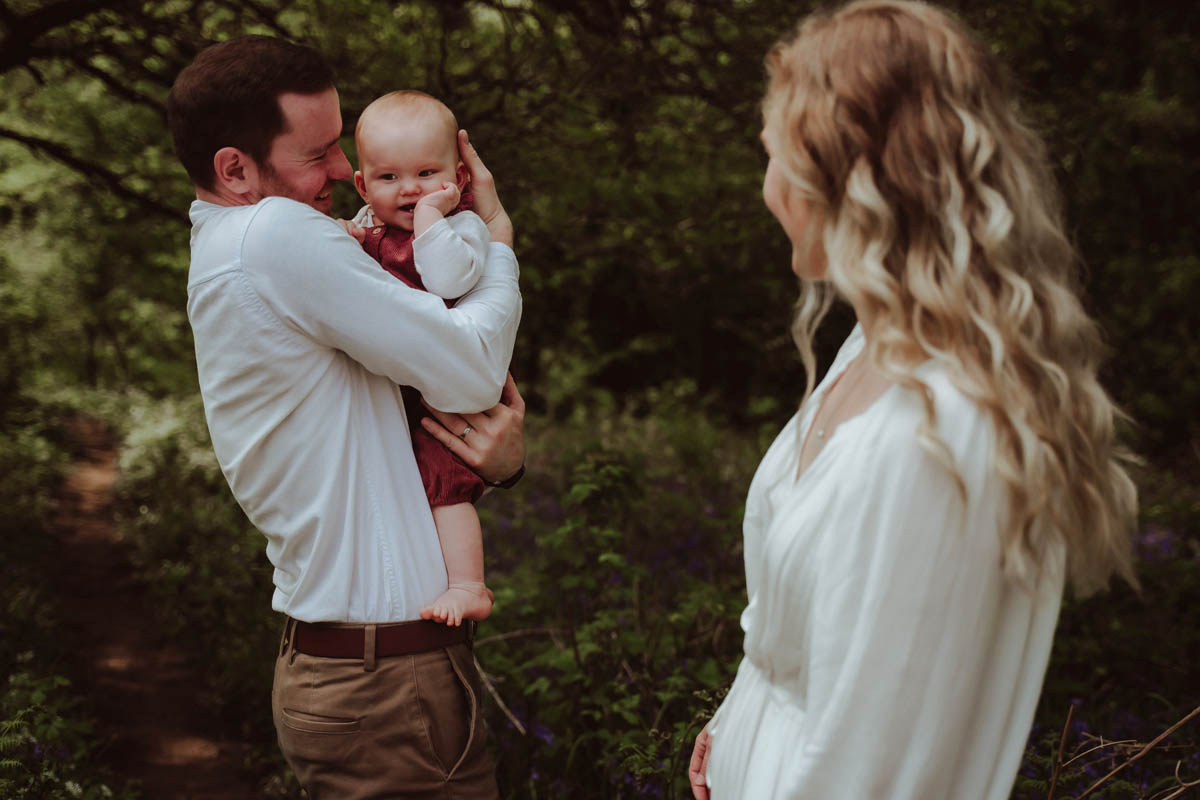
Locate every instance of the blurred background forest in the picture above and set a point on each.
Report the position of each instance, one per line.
(653, 353)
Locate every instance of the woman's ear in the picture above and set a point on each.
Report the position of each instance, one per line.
(235, 171)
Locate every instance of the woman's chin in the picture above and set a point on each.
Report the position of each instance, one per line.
(808, 269)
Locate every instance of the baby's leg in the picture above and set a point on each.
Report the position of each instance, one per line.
(462, 548)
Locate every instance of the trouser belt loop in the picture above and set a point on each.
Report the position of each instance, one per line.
(369, 648)
(290, 634)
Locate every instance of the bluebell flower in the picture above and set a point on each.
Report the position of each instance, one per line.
(542, 732)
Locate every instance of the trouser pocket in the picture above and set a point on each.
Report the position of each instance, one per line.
(448, 704)
(312, 738)
(304, 722)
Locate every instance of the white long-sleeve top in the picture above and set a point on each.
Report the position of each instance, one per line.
(886, 653)
(301, 340)
(449, 255)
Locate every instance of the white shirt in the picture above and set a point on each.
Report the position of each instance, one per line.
(301, 339)
(886, 653)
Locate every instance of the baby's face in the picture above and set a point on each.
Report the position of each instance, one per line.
(402, 159)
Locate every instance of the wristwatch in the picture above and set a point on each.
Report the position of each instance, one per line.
(510, 481)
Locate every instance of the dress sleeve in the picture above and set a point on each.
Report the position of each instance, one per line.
(907, 606)
(451, 253)
(318, 281)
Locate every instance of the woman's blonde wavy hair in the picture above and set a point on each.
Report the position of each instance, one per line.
(941, 225)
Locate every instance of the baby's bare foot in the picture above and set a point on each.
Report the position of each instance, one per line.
(460, 601)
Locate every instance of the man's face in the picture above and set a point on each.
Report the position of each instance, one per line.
(305, 159)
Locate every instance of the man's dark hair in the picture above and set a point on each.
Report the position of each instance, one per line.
(229, 97)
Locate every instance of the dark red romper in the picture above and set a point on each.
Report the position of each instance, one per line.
(447, 478)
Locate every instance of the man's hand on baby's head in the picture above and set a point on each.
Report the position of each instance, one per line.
(483, 188)
(359, 233)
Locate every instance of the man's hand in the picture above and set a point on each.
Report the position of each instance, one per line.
(698, 768)
(359, 233)
(487, 202)
(490, 442)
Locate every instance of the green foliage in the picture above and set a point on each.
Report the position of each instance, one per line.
(47, 748)
(48, 744)
(201, 560)
(617, 571)
(32, 461)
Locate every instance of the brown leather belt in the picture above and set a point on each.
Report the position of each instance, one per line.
(393, 639)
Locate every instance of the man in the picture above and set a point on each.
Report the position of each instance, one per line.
(301, 340)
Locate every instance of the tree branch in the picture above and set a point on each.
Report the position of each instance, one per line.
(22, 31)
(60, 153)
(116, 86)
(1194, 713)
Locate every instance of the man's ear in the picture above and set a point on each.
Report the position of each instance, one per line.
(235, 171)
(461, 176)
(360, 183)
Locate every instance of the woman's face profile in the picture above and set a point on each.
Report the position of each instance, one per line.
(795, 214)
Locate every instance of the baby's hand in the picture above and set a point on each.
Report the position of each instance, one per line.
(359, 233)
(444, 199)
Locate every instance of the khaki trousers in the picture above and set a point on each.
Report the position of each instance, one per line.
(411, 727)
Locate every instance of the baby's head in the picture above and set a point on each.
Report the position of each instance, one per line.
(407, 147)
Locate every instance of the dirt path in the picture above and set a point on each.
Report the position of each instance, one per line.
(145, 690)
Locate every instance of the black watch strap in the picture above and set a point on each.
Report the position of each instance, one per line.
(509, 482)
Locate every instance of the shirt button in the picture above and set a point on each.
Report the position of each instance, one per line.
(377, 230)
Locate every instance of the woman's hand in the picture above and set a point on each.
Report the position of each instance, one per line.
(490, 442)
(698, 768)
(483, 186)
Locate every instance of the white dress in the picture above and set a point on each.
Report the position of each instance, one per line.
(886, 654)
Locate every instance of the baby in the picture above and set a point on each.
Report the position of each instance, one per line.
(418, 226)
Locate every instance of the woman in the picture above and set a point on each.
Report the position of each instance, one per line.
(909, 533)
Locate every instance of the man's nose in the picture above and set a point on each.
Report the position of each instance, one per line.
(340, 170)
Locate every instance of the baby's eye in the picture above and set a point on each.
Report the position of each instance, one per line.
(427, 173)
(387, 176)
